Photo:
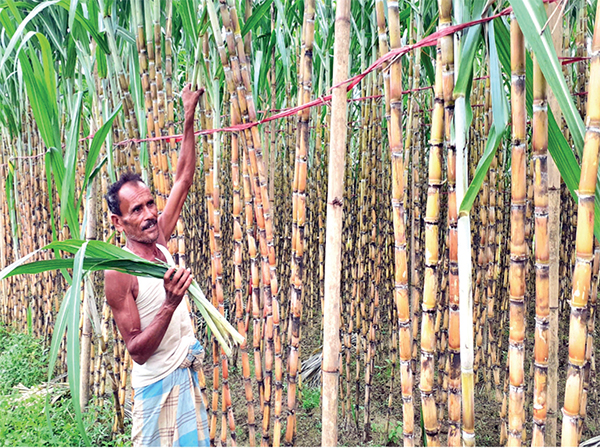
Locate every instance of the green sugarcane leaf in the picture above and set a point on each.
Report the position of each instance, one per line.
(48, 166)
(500, 122)
(39, 104)
(125, 35)
(469, 50)
(493, 141)
(98, 169)
(13, 8)
(469, 47)
(101, 63)
(8, 271)
(88, 25)
(496, 132)
(72, 144)
(9, 186)
(73, 348)
(21, 29)
(283, 49)
(44, 90)
(258, 13)
(94, 152)
(19, 267)
(187, 12)
(72, 12)
(69, 68)
(67, 192)
(282, 24)
(204, 23)
(429, 70)
(532, 18)
(49, 72)
(499, 101)
(258, 62)
(57, 335)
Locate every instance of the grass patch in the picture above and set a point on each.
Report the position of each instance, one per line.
(23, 359)
(23, 422)
(311, 398)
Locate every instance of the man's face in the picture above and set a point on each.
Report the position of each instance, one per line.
(139, 215)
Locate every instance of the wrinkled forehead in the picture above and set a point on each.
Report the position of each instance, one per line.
(132, 194)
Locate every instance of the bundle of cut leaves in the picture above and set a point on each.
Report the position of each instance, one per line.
(99, 256)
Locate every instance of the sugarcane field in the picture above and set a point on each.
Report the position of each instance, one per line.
(299, 222)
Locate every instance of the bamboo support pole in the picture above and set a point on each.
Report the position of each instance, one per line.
(335, 204)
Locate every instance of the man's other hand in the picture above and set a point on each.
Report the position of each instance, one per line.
(176, 281)
(190, 100)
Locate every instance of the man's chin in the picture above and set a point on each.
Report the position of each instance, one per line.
(146, 238)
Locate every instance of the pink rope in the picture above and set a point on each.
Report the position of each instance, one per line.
(352, 82)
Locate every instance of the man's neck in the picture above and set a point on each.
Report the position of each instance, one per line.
(148, 251)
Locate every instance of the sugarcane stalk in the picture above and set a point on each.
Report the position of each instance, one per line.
(299, 217)
(554, 237)
(589, 346)
(428, 339)
(584, 247)
(518, 247)
(542, 253)
(454, 379)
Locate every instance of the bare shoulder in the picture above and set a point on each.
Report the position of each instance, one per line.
(118, 286)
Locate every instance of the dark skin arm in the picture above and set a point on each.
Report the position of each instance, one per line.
(121, 290)
(186, 165)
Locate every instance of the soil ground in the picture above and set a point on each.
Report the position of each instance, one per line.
(388, 432)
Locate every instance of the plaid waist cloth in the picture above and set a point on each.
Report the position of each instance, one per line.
(171, 411)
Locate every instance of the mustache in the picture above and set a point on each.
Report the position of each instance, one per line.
(149, 224)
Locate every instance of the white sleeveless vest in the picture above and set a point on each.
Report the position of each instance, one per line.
(179, 335)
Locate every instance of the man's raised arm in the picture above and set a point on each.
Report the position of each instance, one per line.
(186, 165)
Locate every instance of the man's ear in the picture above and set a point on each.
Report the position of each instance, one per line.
(116, 221)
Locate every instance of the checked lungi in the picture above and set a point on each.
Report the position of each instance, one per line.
(171, 412)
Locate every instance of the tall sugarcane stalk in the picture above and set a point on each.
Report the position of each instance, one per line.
(584, 247)
(369, 277)
(485, 255)
(454, 378)
(518, 245)
(299, 213)
(401, 293)
(542, 254)
(554, 206)
(239, 290)
(428, 339)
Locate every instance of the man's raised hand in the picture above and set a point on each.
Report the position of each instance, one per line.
(190, 99)
(176, 281)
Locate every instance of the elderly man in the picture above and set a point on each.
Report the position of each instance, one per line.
(150, 313)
